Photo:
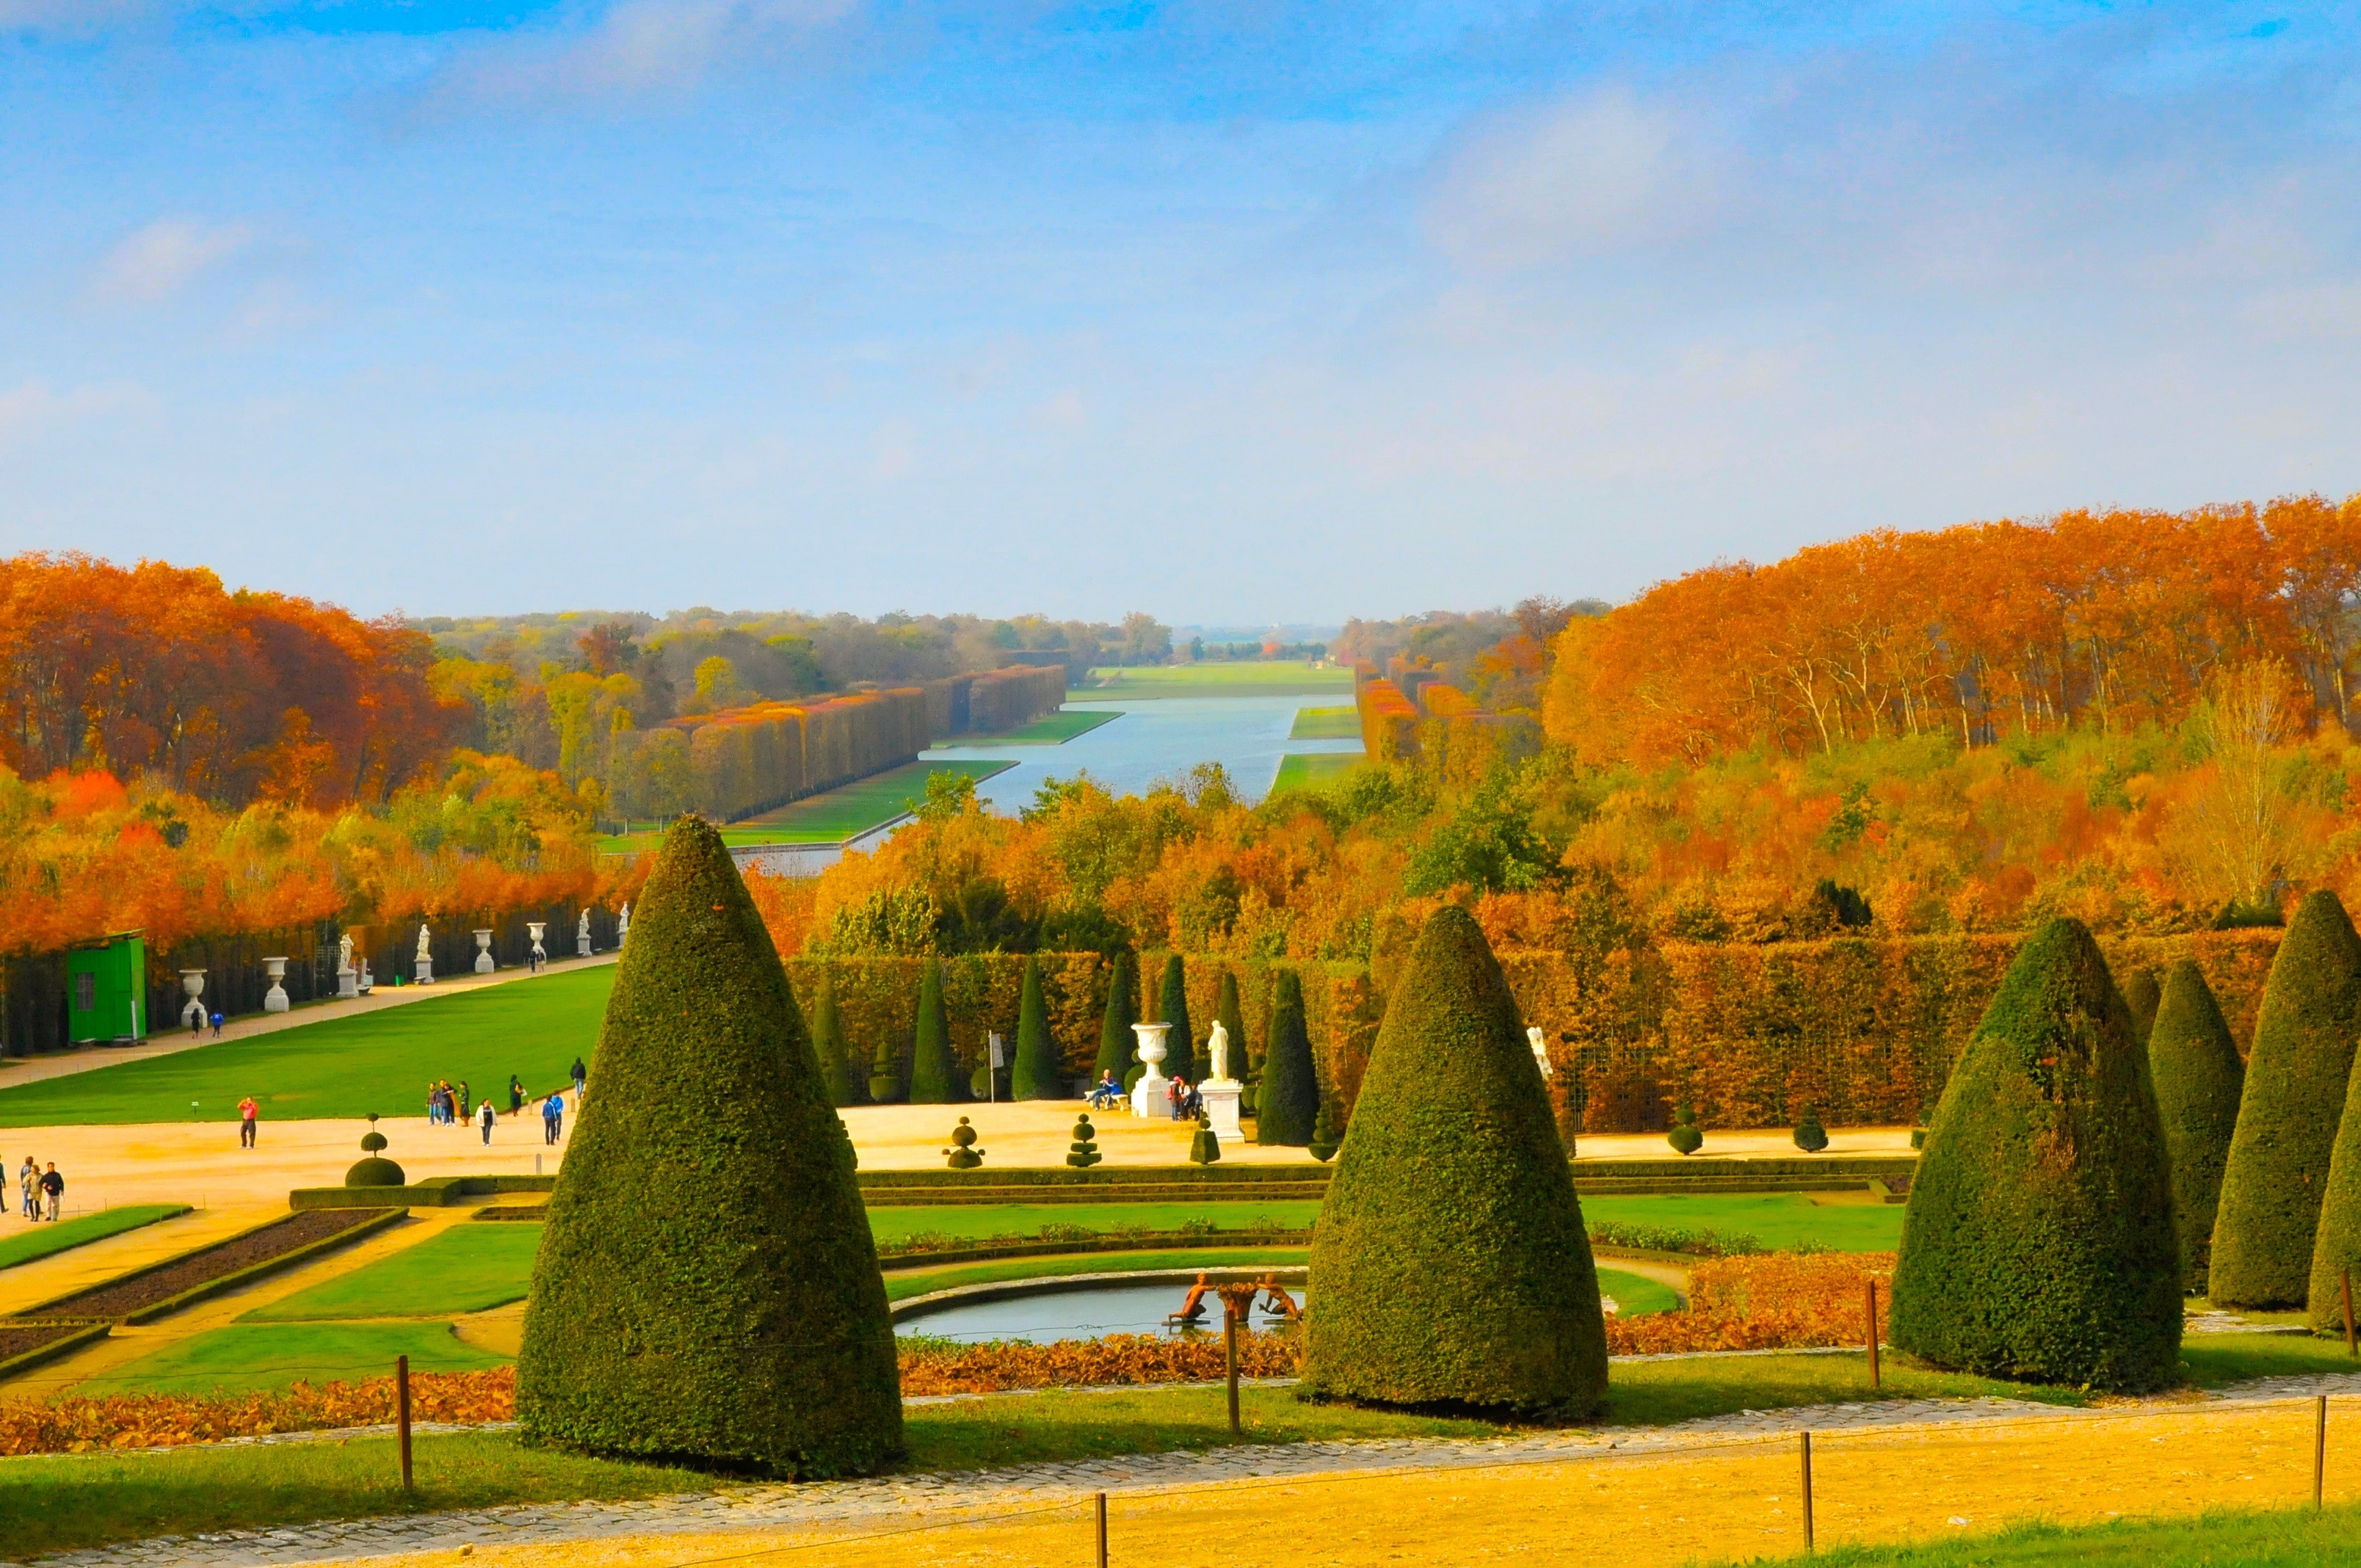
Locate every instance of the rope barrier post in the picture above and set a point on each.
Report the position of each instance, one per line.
(1875, 1381)
(1103, 1531)
(1808, 1491)
(2319, 1449)
(2350, 1348)
(402, 1414)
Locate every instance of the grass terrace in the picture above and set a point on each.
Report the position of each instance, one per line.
(1049, 729)
(1275, 678)
(1300, 770)
(67, 1235)
(1326, 724)
(832, 816)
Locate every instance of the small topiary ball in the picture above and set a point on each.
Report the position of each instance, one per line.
(963, 1154)
(1810, 1136)
(372, 1141)
(373, 1171)
(1685, 1136)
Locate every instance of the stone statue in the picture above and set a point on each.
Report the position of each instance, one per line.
(425, 944)
(1541, 1051)
(345, 953)
(582, 935)
(622, 924)
(1217, 1045)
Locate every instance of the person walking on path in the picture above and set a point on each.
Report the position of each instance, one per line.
(553, 1118)
(465, 1113)
(247, 1111)
(196, 1021)
(483, 1115)
(516, 1094)
(54, 1186)
(581, 1076)
(217, 1024)
(1179, 1093)
(29, 1179)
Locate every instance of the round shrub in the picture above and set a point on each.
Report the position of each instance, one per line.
(373, 1171)
(2143, 994)
(934, 1072)
(1172, 1007)
(1038, 1073)
(963, 1155)
(2198, 1077)
(2296, 1074)
(739, 1323)
(1810, 1136)
(1452, 1261)
(1115, 1038)
(1686, 1137)
(2038, 1241)
(1288, 1104)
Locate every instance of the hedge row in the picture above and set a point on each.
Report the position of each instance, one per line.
(751, 759)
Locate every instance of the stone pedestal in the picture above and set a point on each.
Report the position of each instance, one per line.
(484, 964)
(1152, 1095)
(1220, 1098)
(275, 999)
(422, 971)
(348, 982)
(192, 1012)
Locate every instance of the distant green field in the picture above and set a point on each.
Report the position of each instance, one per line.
(1300, 770)
(1326, 724)
(1278, 677)
(272, 1356)
(45, 1240)
(833, 816)
(1778, 1220)
(349, 1067)
(468, 1268)
(1049, 729)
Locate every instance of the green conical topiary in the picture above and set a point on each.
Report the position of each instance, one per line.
(2296, 1074)
(885, 1073)
(744, 1329)
(2038, 1241)
(934, 1072)
(2194, 1064)
(1226, 1014)
(1450, 1250)
(1289, 1101)
(1810, 1136)
(1039, 1073)
(1686, 1137)
(1116, 1041)
(2143, 995)
(1172, 1007)
(837, 1068)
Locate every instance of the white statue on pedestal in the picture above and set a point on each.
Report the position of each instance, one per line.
(423, 962)
(1218, 1046)
(1220, 1093)
(1541, 1051)
(582, 935)
(622, 926)
(1153, 1090)
(348, 979)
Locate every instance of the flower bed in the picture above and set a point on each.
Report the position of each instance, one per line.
(1777, 1301)
(165, 1420)
(938, 1368)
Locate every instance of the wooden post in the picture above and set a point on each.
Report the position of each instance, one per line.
(402, 1414)
(1808, 1491)
(2350, 1349)
(1102, 1529)
(1230, 1354)
(1874, 1380)
(2318, 1448)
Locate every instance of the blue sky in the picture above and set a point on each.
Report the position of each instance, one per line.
(1232, 311)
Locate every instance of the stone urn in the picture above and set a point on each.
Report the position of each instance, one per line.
(275, 999)
(535, 929)
(1152, 1096)
(484, 964)
(192, 982)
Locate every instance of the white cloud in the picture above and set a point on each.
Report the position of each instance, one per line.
(1597, 171)
(642, 46)
(156, 262)
(32, 409)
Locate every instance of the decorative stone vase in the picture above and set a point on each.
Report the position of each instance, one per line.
(193, 981)
(535, 927)
(1152, 1095)
(484, 964)
(275, 999)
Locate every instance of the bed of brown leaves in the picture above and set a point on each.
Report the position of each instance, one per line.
(1071, 1364)
(166, 1420)
(1777, 1301)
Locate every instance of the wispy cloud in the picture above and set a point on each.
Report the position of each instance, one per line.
(71, 17)
(637, 49)
(34, 407)
(154, 263)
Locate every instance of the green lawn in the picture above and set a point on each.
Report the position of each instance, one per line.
(1276, 678)
(44, 1240)
(832, 816)
(1026, 1219)
(466, 1269)
(1326, 724)
(1635, 1294)
(2279, 1538)
(272, 1356)
(1049, 729)
(1300, 770)
(346, 1066)
(1780, 1220)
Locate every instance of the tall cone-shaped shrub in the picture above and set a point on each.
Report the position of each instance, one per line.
(1115, 1038)
(2038, 1241)
(1289, 1100)
(1450, 1251)
(934, 1072)
(2143, 995)
(1172, 1007)
(2271, 1188)
(744, 1326)
(2198, 1077)
(1039, 1072)
(837, 1070)
(1227, 1015)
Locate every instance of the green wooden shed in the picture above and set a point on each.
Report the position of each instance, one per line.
(107, 990)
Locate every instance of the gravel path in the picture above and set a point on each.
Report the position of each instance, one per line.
(776, 1507)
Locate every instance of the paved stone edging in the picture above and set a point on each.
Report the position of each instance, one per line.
(772, 1507)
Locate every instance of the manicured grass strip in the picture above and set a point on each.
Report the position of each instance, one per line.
(1049, 729)
(903, 1284)
(1658, 1393)
(1056, 1426)
(1302, 770)
(2216, 1361)
(1780, 1220)
(45, 1240)
(465, 1269)
(2279, 1538)
(345, 1067)
(242, 1356)
(1326, 724)
(856, 807)
(979, 1220)
(1635, 1294)
(1275, 678)
(73, 1501)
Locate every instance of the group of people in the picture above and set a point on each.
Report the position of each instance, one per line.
(41, 1188)
(1186, 1101)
